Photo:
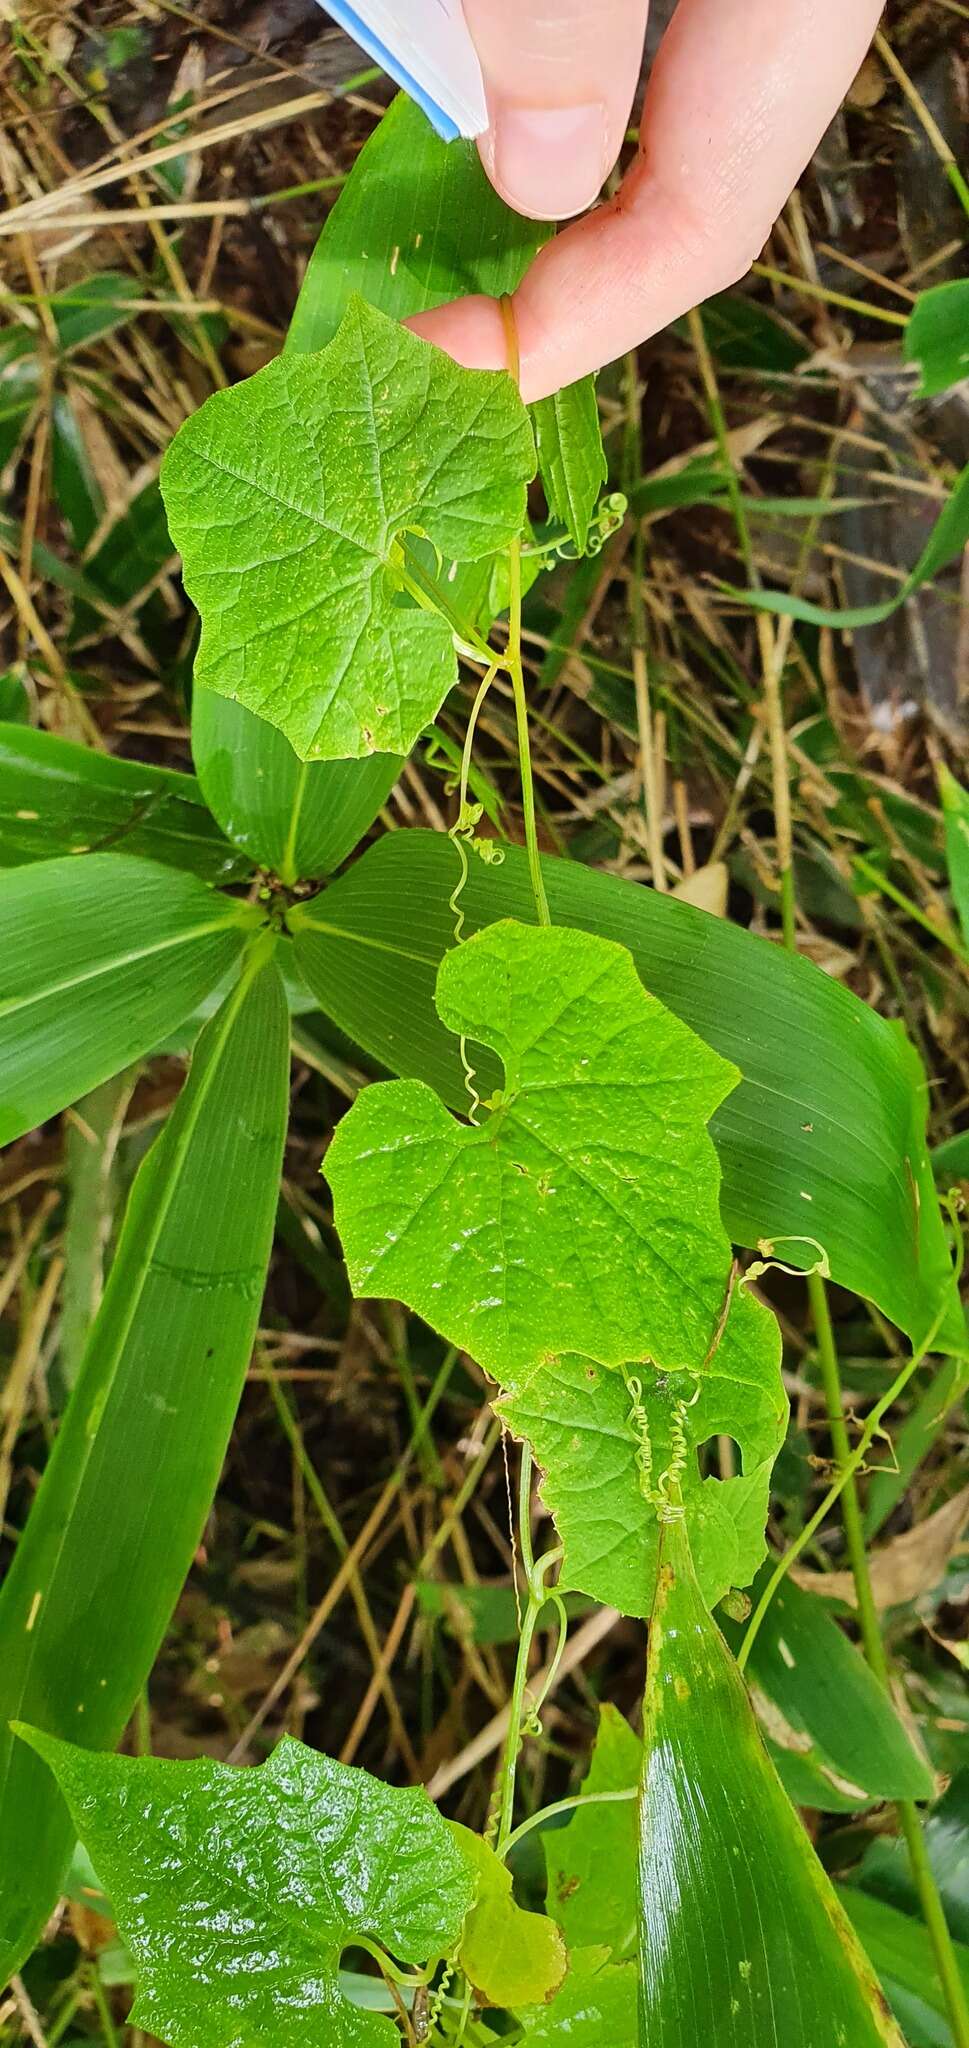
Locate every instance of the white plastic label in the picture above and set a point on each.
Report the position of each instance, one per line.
(426, 46)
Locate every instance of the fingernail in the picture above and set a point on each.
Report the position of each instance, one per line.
(549, 162)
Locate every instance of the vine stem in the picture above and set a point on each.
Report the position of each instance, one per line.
(539, 1597)
(773, 648)
(517, 674)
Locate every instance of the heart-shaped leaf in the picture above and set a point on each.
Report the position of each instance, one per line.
(286, 498)
(237, 1890)
(583, 1213)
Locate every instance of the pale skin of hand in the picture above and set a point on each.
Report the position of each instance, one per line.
(738, 99)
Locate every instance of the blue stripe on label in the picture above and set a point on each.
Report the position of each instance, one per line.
(392, 63)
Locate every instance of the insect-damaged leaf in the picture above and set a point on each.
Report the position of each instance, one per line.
(583, 1213)
(237, 1890)
(742, 1940)
(287, 498)
(581, 1422)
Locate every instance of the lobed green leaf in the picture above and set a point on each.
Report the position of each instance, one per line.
(287, 499)
(582, 1214)
(821, 1145)
(237, 1890)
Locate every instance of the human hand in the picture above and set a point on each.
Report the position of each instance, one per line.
(739, 97)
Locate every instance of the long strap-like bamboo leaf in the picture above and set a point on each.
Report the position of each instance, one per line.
(112, 1532)
(743, 1942)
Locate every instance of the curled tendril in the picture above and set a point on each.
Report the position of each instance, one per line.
(669, 1483)
(639, 1423)
(767, 1263)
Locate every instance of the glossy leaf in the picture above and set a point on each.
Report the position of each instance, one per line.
(298, 818)
(945, 542)
(937, 336)
(591, 1863)
(817, 1699)
(596, 2007)
(580, 1423)
(101, 959)
(582, 1214)
(58, 798)
(130, 1480)
(237, 1890)
(287, 497)
(955, 809)
(571, 457)
(510, 1956)
(742, 1940)
(824, 1139)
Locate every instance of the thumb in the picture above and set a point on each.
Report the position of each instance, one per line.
(560, 78)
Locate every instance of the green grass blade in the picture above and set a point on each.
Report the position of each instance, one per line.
(742, 1941)
(955, 810)
(299, 818)
(819, 1145)
(58, 798)
(122, 1502)
(100, 959)
(946, 540)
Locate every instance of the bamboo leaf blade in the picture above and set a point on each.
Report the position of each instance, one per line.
(101, 960)
(59, 798)
(298, 818)
(825, 1702)
(417, 224)
(742, 1940)
(116, 1521)
(946, 540)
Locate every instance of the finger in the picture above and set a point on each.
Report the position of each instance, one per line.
(740, 96)
(560, 81)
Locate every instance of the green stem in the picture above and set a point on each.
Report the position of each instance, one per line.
(874, 1648)
(538, 1598)
(857, 1458)
(509, 1760)
(576, 1799)
(517, 674)
(428, 592)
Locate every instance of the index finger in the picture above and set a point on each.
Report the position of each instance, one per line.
(740, 95)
